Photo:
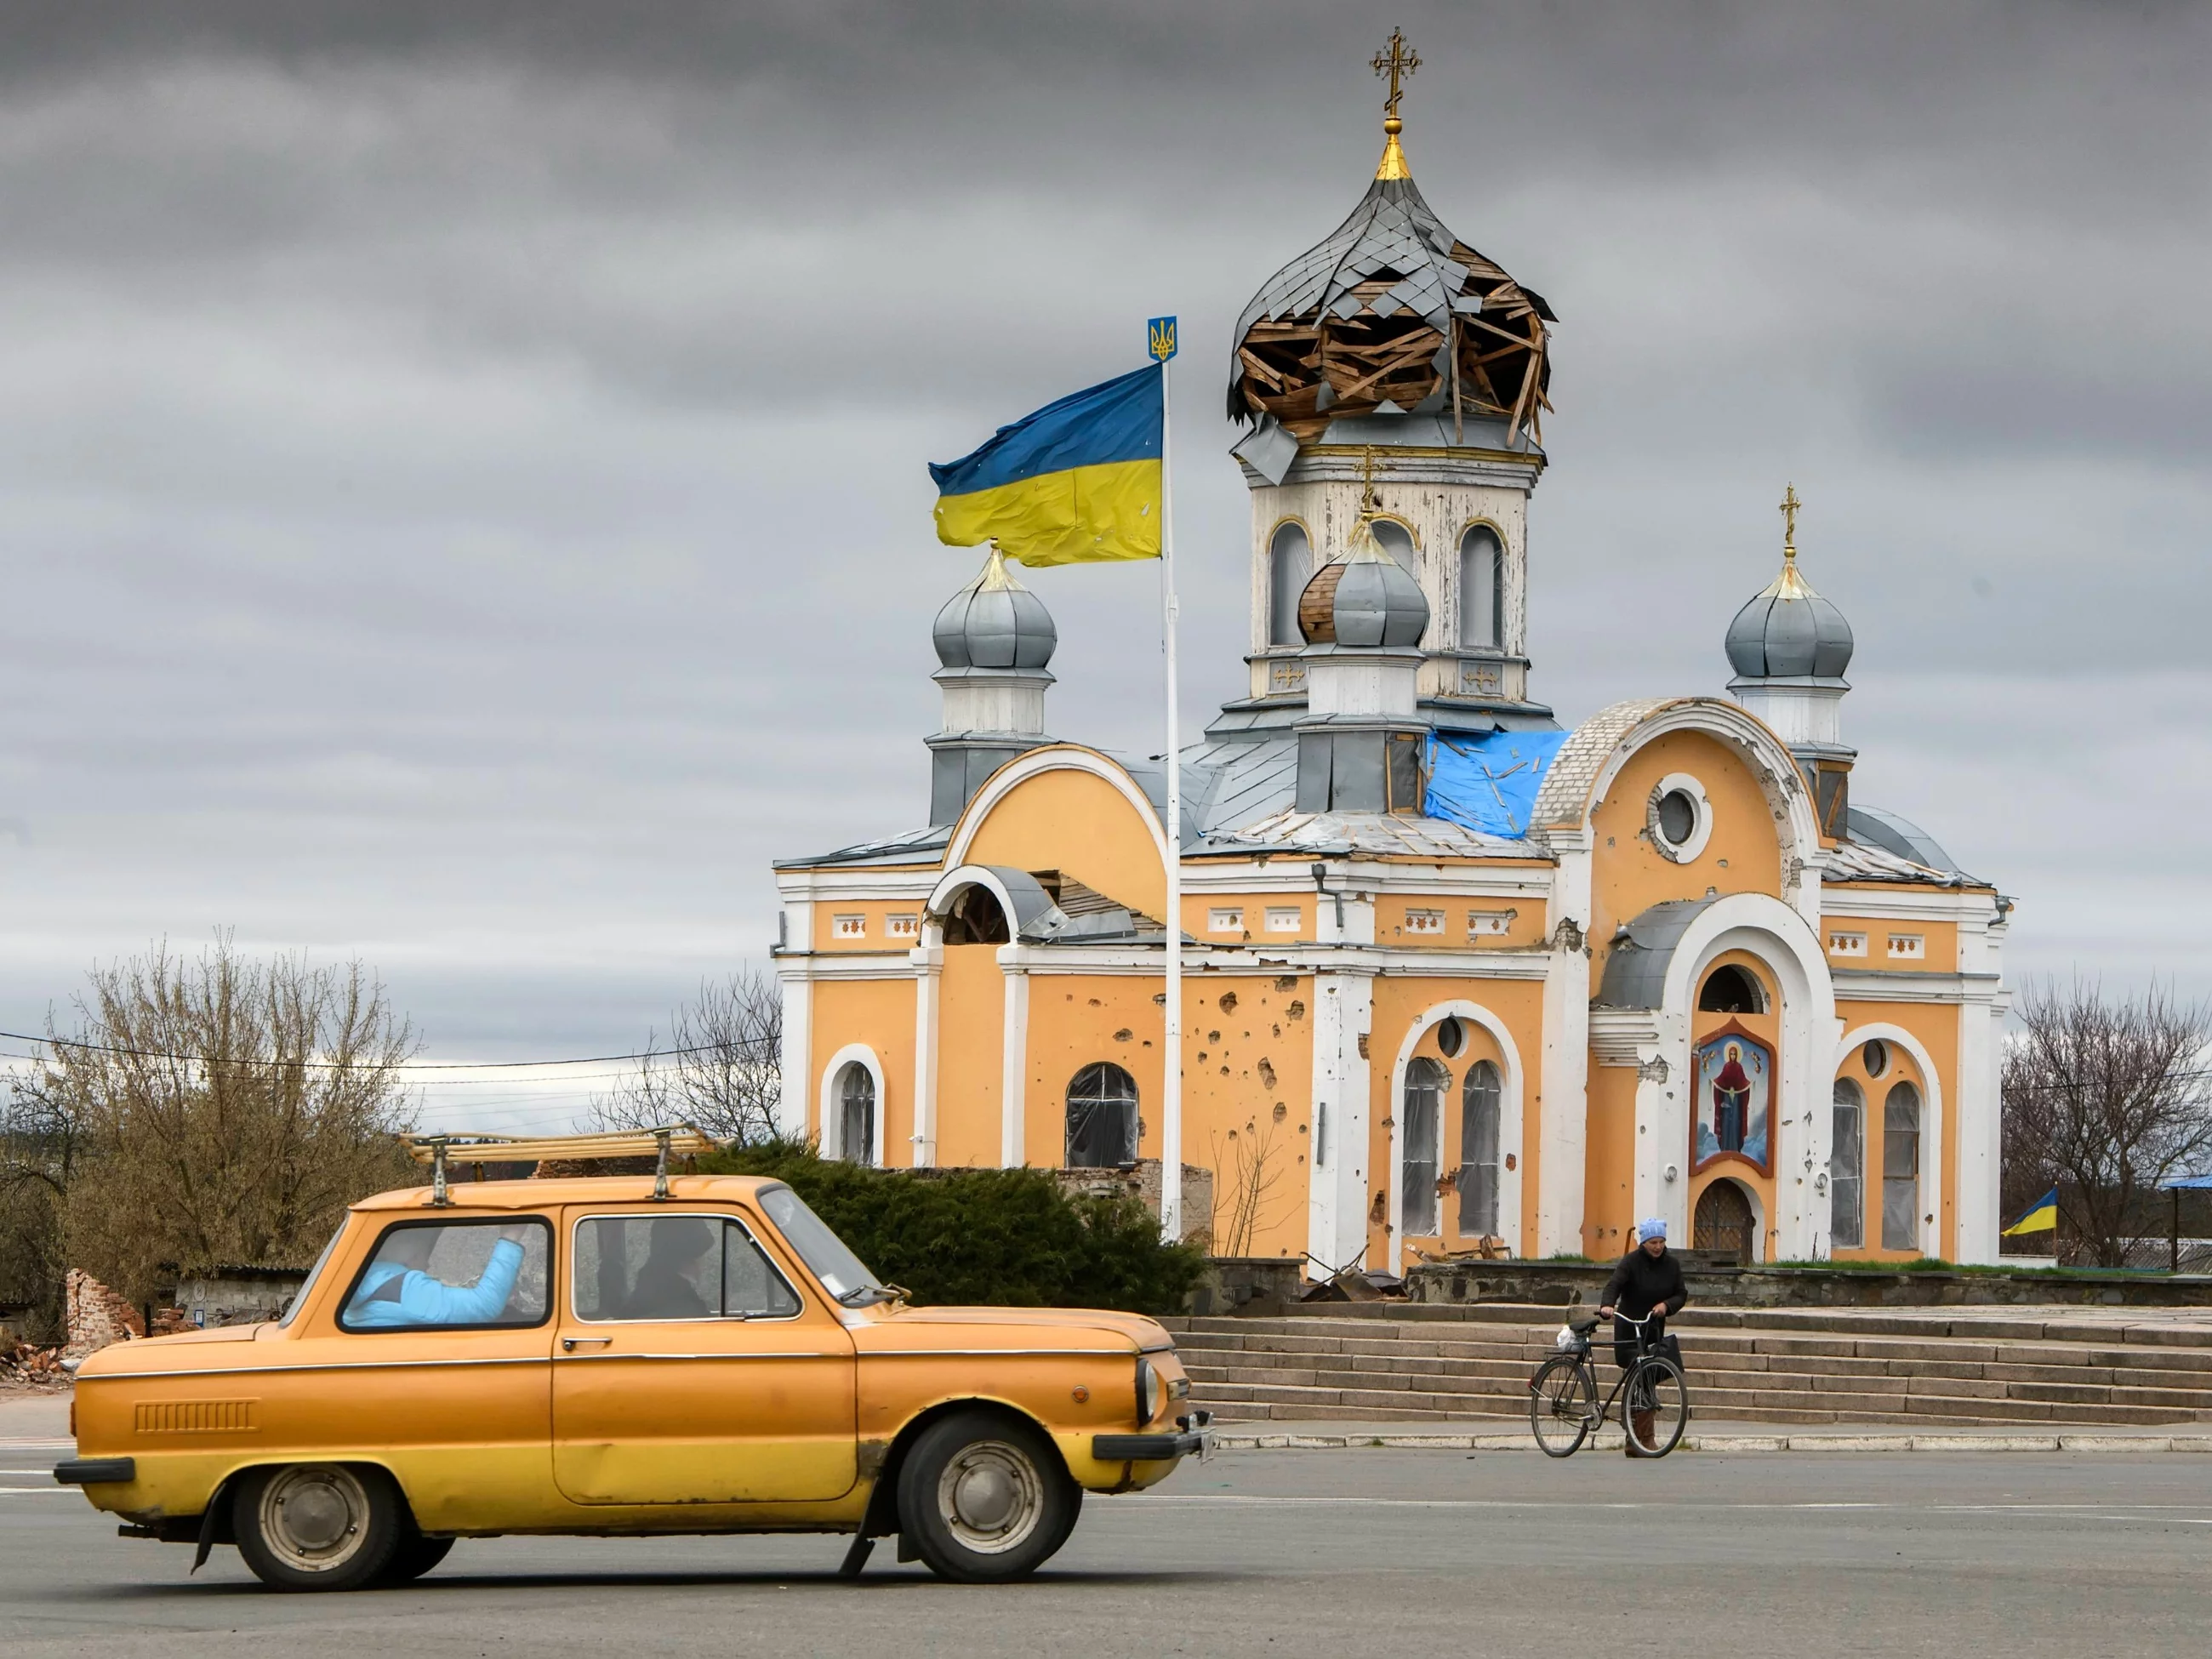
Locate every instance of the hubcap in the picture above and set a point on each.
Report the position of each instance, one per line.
(314, 1516)
(991, 1496)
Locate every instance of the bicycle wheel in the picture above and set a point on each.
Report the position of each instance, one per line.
(1562, 1404)
(1658, 1406)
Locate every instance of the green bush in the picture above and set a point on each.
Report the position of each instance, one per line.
(1006, 1237)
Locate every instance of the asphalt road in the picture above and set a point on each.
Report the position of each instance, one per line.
(1278, 1551)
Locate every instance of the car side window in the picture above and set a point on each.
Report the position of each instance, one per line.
(431, 1275)
(675, 1267)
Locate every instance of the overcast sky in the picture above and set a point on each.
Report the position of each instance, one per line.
(462, 497)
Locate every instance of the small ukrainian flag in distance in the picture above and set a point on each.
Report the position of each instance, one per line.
(1076, 483)
(2042, 1217)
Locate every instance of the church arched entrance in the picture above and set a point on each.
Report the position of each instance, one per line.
(1723, 1226)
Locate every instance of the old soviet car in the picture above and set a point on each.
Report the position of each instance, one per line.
(582, 1355)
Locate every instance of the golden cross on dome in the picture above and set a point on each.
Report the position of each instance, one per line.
(1789, 506)
(1396, 60)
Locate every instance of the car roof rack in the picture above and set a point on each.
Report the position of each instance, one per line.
(683, 1139)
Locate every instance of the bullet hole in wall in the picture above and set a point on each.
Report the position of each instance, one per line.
(1281, 1111)
(1267, 1074)
(1213, 1036)
(1287, 982)
(1296, 1010)
(1228, 1003)
(1123, 1035)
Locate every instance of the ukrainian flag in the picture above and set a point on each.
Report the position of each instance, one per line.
(2042, 1217)
(1077, 482)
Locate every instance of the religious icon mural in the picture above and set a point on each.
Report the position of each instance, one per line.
(1733, 1076)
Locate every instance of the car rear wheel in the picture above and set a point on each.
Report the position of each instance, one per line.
(984, 1499)
(319, 1526)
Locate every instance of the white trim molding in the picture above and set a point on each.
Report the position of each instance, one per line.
(1701, 819)
(1786, 945)
(832, 1120)
(1013, 1060)
(929, 961)
(1932, 1109)
(1510, 1140)
(1052, 757)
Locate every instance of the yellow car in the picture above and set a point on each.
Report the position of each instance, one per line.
(620, 1355)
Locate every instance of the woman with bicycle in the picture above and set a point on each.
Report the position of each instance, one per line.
(1645, 1288)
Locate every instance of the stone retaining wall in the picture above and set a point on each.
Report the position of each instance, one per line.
(1568, 1284)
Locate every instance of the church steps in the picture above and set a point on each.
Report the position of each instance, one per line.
(1380, 1363)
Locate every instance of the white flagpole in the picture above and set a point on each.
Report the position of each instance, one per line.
(1171, 1223)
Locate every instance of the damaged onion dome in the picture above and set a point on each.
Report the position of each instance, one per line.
(995, 622)
(1364, 598)
(1392, 315)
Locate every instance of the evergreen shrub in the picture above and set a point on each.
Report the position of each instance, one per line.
(1003, 1237)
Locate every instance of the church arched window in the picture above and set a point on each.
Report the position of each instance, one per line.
(856, 1114)
(1481, 589)
(1847, 1167)
(976, 917)
(1102, 1118)
(1290, 567)
(1420, 1124)
(1730, 990)
(1479, 1102)
(1900, 1169)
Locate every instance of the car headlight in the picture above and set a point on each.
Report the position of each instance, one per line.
(1151, 1393)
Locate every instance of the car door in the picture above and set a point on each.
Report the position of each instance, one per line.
(693, 1365)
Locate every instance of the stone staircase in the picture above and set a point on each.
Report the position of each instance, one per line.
(1393, 1361)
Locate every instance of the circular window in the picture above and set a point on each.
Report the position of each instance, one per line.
(1876, 1056)
(1451, 1037)
(1678, 820)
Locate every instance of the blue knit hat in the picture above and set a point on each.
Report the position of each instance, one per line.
(1655, 1228)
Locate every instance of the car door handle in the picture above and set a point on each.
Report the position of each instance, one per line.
(569, 1343)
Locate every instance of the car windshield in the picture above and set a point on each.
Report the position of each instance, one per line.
(841, 1273)
(299, 1296)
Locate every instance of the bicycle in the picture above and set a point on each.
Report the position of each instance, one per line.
(1562, 1407)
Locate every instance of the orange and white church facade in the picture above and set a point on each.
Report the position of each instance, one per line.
(1451, 974)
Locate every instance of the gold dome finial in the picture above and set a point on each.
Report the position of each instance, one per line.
(1398, 61)
(1790, 583)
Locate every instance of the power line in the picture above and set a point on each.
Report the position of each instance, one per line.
(341, 1066)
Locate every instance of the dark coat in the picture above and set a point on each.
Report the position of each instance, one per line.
(1640, 1283)
(1640, 1286)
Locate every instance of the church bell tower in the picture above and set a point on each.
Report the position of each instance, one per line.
(1394, 381)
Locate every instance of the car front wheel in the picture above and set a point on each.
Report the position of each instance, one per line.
(317, 1526)
(983, 1499)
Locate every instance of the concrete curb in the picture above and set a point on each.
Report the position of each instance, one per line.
(1234, 1440)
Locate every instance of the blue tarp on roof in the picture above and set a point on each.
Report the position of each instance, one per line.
(1488, 781)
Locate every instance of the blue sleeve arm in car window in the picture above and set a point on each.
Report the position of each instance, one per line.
(427, 1301)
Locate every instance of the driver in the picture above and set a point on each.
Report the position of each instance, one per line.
(1649, 1281)
(398, 1288)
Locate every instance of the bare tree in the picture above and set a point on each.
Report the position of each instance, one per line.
(2106, 1101)
(218, 1111)
(1251, 1166)
(722, 1069)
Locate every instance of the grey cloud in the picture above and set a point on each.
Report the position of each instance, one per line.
(460, 465)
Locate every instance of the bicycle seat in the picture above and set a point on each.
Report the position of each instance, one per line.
(1581, 1326)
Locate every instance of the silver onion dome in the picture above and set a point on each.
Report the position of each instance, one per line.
(995, 622)
(1788, 631)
